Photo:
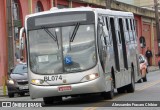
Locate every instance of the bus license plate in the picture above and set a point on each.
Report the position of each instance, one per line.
(64, 88)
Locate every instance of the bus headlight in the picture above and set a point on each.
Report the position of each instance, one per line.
(90, 77)
(10, 81)
(37, 81)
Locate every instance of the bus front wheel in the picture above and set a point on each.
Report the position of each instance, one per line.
(109, 94)
(48, 100)
(51, 100)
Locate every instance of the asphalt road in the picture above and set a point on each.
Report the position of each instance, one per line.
(146, 91)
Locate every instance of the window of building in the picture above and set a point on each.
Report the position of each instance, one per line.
(39, 7)
(16, 10)
(62, 6)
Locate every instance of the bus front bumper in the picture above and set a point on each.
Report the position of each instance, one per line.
(94, 86)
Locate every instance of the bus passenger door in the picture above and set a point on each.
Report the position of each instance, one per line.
(101, 43)
(109, 61)
(123, 44)
(106, 52)
(115, 43)
(123, 51)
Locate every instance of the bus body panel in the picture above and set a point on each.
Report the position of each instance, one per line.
(94, 86)
(101, 84)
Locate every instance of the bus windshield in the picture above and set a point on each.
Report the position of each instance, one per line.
(65, 49)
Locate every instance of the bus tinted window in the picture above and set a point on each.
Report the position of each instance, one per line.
(127, 25)
(107, 23)
(131, 24)
(108, 32)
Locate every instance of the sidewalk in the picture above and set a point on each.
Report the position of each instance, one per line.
(153, 68)
(1, 91)
(150, 68)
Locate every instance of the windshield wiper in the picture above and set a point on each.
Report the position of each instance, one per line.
(57, 40)
(51, 35)
(74, 32)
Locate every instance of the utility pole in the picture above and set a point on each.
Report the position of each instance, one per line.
(157, 23)
(108, 4)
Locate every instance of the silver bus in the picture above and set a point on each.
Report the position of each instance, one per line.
(79, 51)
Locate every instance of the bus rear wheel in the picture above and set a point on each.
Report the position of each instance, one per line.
(121, 89)
(131, 86)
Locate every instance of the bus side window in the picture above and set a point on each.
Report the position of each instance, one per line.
(127, 30)
(131, 30)
(101, 32)
(106, 31)
(118, 31)
(109, 30)
(134, 30)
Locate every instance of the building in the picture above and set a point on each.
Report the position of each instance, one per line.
(149, 4)
(3, 41)
(13, 12)
(127, 1)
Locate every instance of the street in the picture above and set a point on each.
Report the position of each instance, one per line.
(146, 91)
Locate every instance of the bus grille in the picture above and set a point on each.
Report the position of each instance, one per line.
(23, 83)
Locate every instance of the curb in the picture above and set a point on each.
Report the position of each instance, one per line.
(157, 69)
(3, 96)
(153, 70)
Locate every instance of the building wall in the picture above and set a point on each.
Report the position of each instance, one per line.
(140, 3)
(138, 20)
(3, 42)
(146, 3)
(24, 6)
(45, 3)
(127, 1)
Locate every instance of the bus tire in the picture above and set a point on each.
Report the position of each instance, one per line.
(48, 100)
(22, 94)
(10, 95)
(121, 90)
(109, 94)
(131, 86)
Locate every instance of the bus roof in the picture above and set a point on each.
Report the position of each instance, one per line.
(96, 10)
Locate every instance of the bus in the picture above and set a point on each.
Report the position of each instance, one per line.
(79, 51)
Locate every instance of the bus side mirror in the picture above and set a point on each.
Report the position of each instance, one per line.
(21, 40)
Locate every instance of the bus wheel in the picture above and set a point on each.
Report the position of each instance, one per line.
(11, 95)
(131, 86)
(121, 90)
(109, 94)
(48, 100)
